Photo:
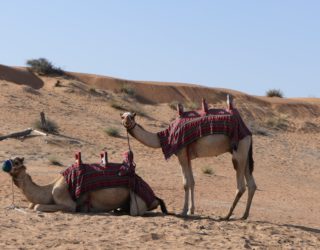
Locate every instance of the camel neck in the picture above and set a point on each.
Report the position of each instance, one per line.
(145, 137)
(33, 192)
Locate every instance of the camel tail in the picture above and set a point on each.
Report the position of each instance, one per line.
(162, 206)
(250, 157)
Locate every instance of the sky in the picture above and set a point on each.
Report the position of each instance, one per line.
(249, 46)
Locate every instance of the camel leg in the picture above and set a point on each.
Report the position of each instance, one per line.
(62, 198)
(251, 190)
(137, 205)
(187, 178)
(239, 163)
(51, 208)
(192, 184)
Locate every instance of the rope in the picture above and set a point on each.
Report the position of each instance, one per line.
(134, 184)
(128, 140)
(13, 206)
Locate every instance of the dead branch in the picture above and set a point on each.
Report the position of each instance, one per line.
(21, 134)
(17, 134)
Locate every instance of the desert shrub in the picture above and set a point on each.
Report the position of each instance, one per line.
(52, 126)
(58, 84)
(278, 122)
(274, 93)
(207, 170)
(117, 105)
(126, 89)
(114, 132)
(93, 91)
(54, 161)
(44, 67)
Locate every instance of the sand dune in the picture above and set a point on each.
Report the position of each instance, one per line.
(285, 210)
(20, 76)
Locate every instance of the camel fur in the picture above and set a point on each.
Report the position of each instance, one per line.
(56, 197)
(210, 145)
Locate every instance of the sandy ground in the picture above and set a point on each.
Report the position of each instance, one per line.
(285, 211)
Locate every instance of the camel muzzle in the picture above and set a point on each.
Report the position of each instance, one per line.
(7, 166)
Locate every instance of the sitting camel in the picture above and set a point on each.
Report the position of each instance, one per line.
(212, 144)
(56, 197)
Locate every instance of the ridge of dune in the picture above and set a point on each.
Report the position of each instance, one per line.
(157, 92)
(20, 76)
(152, 92)
(179, 90)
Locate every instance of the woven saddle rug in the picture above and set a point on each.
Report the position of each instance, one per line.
(89, 177)
(193, 125)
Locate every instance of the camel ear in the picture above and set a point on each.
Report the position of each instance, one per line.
(22, 159)
(134, 114)
(121, 115)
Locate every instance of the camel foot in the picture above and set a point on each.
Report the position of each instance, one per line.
(244, 217)
(184, 213)
(224, 218)
(191, 211)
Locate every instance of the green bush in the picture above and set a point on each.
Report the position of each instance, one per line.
(52, 127)
(278, 122)
(118, 106)
(207, 170)
(43, 67)
(114, 132)
(274, 93)
(53, 161)
(126, 89)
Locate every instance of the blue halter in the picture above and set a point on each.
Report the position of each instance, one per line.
(7, 166)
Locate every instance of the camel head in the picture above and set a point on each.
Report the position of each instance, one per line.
(14, 166)
(128, 120)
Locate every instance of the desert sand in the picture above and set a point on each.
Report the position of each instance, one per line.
(285, 210)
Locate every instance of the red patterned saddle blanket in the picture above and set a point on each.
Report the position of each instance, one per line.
(82, 178)
(192, 125)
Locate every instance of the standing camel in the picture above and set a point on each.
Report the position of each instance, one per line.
(208, 145)
(56, 197)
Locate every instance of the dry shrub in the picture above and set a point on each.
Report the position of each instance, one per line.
(52, 126)
(207, 170)
(44, 67)
(114, 132)
(274, 93)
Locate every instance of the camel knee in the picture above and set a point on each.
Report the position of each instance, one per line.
(251, 183)
(185, 185)
(192, 183)
(241, 191)
(252, 187)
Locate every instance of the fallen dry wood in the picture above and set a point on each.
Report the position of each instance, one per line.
(23, 133)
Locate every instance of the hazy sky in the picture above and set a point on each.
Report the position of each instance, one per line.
(250, 46)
